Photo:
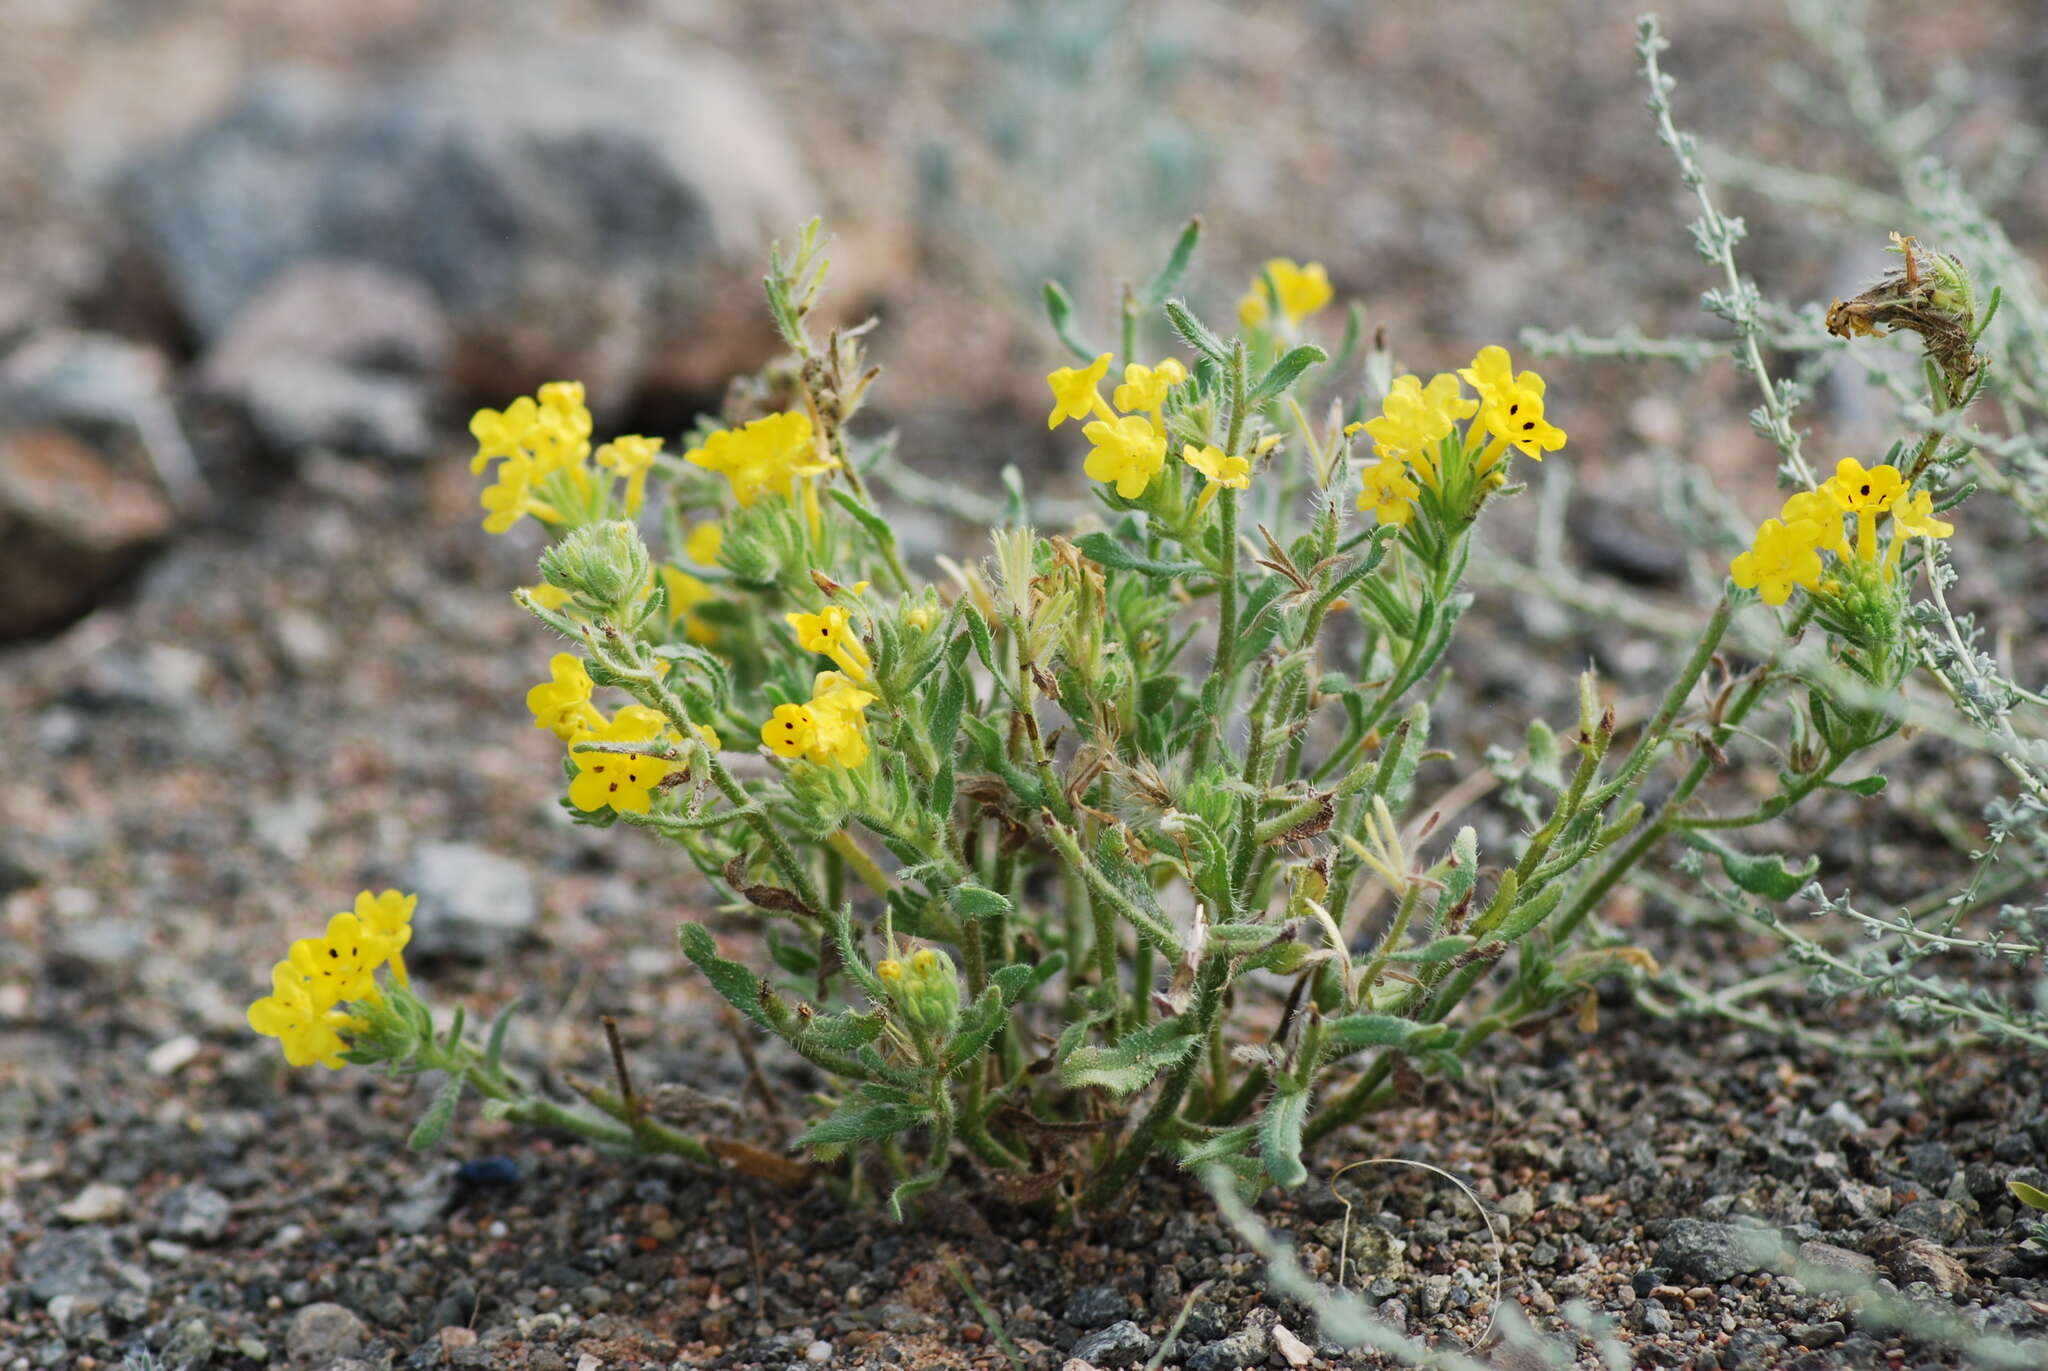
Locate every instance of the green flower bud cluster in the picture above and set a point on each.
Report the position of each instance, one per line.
(924, 989)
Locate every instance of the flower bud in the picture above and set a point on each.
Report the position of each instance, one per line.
(605, 562)
(928, 992)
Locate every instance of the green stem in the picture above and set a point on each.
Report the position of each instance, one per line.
(1109, 1184)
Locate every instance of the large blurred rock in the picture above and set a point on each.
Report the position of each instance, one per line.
(71, 525)
(574, 205)
(337, 355)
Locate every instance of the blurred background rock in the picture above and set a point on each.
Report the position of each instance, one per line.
(259, 261)
(237, 232)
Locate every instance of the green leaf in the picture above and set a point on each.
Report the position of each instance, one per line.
(1866, 787)
(1104, 549)
(1229, 1146)
(1242, 937)
(1285, 372)
(1130, 1065)
(972, 901)
(1354, 1031)
(1196, 333)
(454, 1034)
(1765, 875)
(864, 1118)
(984, 646)
(874, 525)
(1019, 979)
(1523, 918)
(740, 987)
(2030, 1196)
(433, 1124)
(845, 1031)
(978, 1027)
(1280, 1137)
(1160, 286)
(1059, 307)
(1441, 950)
(494, 1046)
(1543, 755)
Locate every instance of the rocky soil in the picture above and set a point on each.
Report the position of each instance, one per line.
(277, 664)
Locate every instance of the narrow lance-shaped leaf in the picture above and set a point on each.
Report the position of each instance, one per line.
(1160, 286)
(1059, 307)
(862, 1119)
(1130, 1064)
(1284, 372)
(740, 987)
(1198, 335)
(1280, 1137)
(433, 1124)
(1765, 875)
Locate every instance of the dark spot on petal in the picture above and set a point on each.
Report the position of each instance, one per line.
(614, 786)
(597, 768)
(1514, 410)
(1866, 488)
(1526, 427)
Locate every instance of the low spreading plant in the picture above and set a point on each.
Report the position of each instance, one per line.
(1116, 845)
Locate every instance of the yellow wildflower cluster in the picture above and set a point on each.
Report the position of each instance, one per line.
(1126, 450)
(542, 445)
(1786, 552)
(308, 989)
(831, 728)
(1409, 432)
(763, 457)
(1297, 290)
(624, 781)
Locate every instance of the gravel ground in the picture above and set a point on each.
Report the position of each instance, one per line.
(320, 689)
(329, 697)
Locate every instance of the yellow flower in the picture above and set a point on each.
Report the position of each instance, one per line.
(307, 1030)
(624, 781)
(389, 916)
(1414, 418)
(704, 542)
(831, 728)
(1127, 452)
(1914, 517)
(1782, 556)
(563, 704)
(1074, 394)
(831, 633)
(553, 432)
(685, 593)
(1224, 472)
(502, 433)
(1865, 494)
(1510, 407)
(889, 970)
(1145, 388)
(763, 457)
(921, 617)
(1302, 290)
(1861, 491)
(1252, 309)
(1820, 510)
(710, 737)
(631, 457)
(1388, 492)
(510, 498)
(342, 964)
(564, 400)
(547, 596)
